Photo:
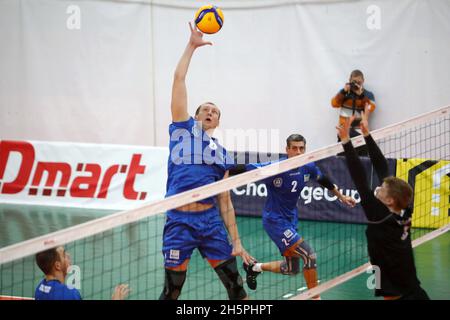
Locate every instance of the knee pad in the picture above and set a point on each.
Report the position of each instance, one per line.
(173, 284)
(307, 254)
(290, 266)
(231, 279)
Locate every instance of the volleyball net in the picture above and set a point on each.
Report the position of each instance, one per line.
(126, 247)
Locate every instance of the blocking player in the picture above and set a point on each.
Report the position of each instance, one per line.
(389, 219)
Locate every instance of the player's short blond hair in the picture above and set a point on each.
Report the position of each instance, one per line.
(400, 191)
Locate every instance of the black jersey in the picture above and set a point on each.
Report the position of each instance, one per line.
(388, 237)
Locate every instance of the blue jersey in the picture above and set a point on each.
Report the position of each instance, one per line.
(195, 159)
(55, 290)
(283, 190)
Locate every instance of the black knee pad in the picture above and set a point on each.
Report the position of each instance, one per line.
(173, 284)
(290, 266)
(308, 255)
(231, 279)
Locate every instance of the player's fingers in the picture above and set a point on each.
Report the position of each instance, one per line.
(190, 27)
(250, 258)
(246, 260)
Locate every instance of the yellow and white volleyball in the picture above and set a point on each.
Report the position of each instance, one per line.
(209, 19)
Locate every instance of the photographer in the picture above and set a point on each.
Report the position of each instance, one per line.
(351, 100)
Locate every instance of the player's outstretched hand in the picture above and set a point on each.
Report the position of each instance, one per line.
(344, 129)
(121, 292)
(349, 201)
(196, 39)
(238, 250)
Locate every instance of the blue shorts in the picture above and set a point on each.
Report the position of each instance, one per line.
(185, 231)
(281, 230)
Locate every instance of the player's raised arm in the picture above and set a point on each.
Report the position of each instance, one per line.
(378, 159)
(179, 91)
(354, 163)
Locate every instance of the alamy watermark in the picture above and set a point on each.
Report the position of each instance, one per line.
(195, 146)
(73, 278)
(73, 21)
(373, 21)
(374, 280)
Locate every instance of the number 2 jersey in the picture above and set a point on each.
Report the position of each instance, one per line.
(283, 190)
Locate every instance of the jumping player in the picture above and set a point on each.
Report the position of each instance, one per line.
(197, 159)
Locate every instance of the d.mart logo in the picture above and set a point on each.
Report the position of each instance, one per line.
(73, 183)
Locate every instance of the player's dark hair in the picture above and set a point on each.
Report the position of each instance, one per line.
(356, 73)
(400, 191)
(295, 137)
(199, 107)
(46, 259)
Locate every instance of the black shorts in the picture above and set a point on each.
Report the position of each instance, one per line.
(417, 294)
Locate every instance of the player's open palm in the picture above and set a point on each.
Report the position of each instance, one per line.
(344, 129)
(197, 37)
(121, 292)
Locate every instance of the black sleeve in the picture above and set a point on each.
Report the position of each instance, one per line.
(374, 209)
(238, 169)
(378, 160)
(326, 182)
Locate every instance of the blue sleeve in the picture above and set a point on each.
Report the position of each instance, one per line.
(253, 166)
(314, 171)
(71, 294)
(188, 124)
(76, 295)
(37, 294)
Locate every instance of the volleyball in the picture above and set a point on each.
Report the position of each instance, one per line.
(209, 19)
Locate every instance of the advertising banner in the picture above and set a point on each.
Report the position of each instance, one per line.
(81, 175)
(430, 180)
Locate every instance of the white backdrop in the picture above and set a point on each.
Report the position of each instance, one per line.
(274, 65)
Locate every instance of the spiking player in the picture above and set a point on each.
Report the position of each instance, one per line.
(196, 159)
(280, 217)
